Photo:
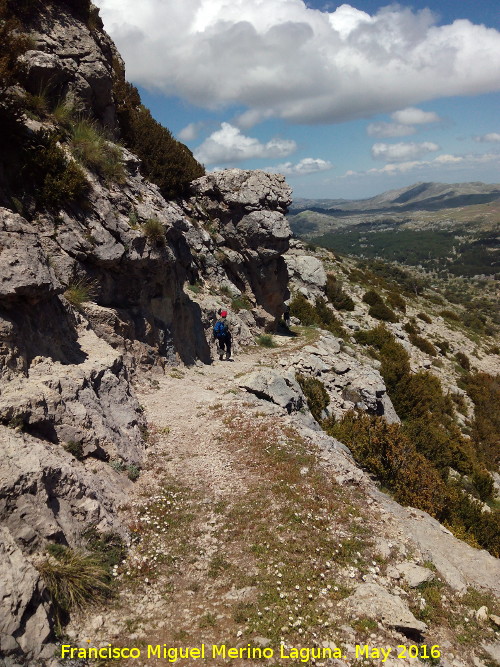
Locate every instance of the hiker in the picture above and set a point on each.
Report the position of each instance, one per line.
(222, 335)
(286, 314)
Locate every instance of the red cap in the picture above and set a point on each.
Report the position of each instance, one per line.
(223, 313)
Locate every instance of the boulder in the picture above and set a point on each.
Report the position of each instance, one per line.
(306, 269)
(413, 574)
(373, 601)
(279, 388)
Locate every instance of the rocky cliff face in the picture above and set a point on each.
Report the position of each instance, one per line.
(67, 406)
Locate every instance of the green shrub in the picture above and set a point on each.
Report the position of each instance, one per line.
(466, 516)
(424, 317)
(441, 442)
(133, 472)
(13, 43)
(422, 344)
(377, 337)
(396, 301)
(382, 312)
(483, 483)
(463, 360)
(73, 580)
(63, 113)
(164, 160)
(443, 346)
(41, 170)
(372, 298)
(386, 452)
(475, 321)
(303, 310)
(484, 391)
(336, 295)
(241, 302)
(265, 340)
(108, 547)
(75, 449)
(410, 327)
(38, 104)
(450, 315)
(419, 394)
(316, 395)
(327, 319)
(154, 232)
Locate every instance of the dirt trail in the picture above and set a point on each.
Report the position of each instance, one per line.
(178, 409)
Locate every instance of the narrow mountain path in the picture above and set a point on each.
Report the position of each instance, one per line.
(241, 536)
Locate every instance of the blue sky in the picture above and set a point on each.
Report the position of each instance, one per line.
(347, 100)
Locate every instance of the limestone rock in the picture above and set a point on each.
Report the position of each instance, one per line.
(373, 601)
(413, 574)
(73, 59)
(90, 403)
(24, 271)
(24, 615)
(493, 650)
(33, 474)
(270, 385)
(306, 269)
(481, 614)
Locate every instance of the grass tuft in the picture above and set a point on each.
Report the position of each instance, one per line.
(73, 581)
(91, 147)
(154, 232)
(265, 340)
(80, 292)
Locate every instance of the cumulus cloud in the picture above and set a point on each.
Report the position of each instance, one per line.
(413, 116)
(283, 58)
(190, 132)
(384, 130)
(492, 136)
(402, 152)
(307, 165)
(229, 145)
(404, 122)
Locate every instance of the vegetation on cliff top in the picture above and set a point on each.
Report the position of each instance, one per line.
(36, 173)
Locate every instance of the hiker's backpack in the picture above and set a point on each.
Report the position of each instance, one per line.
(220, 329)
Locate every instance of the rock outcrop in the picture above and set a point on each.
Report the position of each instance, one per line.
(74, 58)
(91, 300)
(88, 297)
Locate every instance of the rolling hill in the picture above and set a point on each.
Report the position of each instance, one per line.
(440, 227)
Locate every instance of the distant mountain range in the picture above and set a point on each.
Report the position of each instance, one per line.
(453, 228)
(421, 196)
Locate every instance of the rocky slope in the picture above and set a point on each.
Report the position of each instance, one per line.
(102, 307)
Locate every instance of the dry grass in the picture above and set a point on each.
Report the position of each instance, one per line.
(276, 559)
(74, 580)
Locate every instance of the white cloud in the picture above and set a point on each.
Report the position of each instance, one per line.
(384, 130)
(307, 165)
(283, 58)
(413, 116)
(441, 162)
(229, 145)
(492, 136)
(402, 152)
(190, 132)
